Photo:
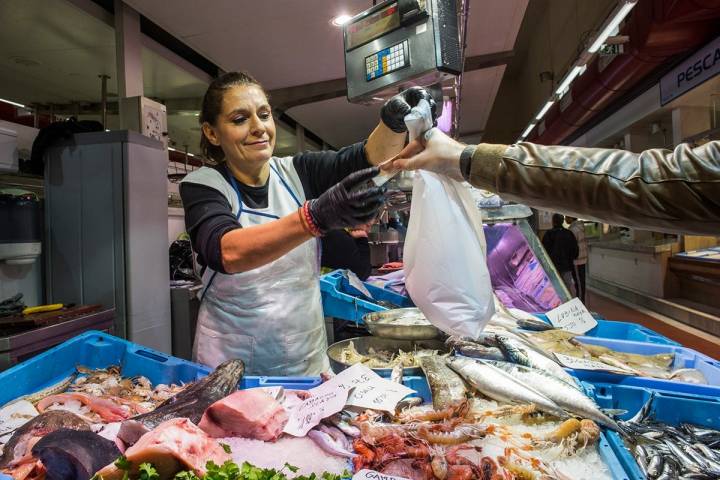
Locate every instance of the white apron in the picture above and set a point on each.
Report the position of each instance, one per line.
(270, 317)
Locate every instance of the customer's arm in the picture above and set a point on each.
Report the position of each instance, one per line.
(663, 190)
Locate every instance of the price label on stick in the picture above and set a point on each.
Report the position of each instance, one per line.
(572, 316)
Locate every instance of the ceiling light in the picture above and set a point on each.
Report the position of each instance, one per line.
(12, 103)
(527, 131)
(611, 26)
(576, 70)
(545, 109)
(341, 20)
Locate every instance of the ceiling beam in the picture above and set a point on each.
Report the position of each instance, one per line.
(478, 62)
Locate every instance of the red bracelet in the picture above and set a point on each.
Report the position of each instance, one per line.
(314, 229)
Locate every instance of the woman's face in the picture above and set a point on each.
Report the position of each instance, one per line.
(245, 128)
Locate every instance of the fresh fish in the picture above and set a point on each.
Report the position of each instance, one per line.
(473, 349)
(108, 410)
(500, 386)
(18, 447)
(528, 321)
(689, 375)
(686, 461)
(446, 386)
(190, 403)
(54, 389)
(707, 451)
(341, 421)
(328, 444)
(565, 396)
(174, 445)
(521, 354)
(74, 455)
(655, 465)
(644, 411)
(13, 416)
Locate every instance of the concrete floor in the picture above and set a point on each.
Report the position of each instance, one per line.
(687, 336)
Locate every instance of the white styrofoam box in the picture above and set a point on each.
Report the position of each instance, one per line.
(8, 151)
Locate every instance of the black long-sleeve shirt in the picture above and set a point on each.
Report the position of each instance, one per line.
(562, 247)
(208, 214)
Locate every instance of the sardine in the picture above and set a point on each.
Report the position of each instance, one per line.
(521, 354)
(190, 403)
(565, 396)
(500, 386)
(642, 414)
(446, 386)
(655, 465)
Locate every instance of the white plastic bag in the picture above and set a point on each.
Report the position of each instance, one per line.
(444, 256)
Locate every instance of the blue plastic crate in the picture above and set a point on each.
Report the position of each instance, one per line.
(607, 452)
(684, 358)
(622, 331)
(669, 406)
(342, 300)
(95, 349)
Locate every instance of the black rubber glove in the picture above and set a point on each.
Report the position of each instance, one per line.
(394, 111)
(352, 202)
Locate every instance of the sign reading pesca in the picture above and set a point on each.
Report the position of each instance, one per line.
(699, 67)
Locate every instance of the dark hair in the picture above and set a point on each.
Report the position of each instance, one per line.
(212, 106)
(557, 220)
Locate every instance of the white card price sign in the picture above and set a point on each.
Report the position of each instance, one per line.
(366, 474)
(367, 388)
(303, 417)
(572, 316)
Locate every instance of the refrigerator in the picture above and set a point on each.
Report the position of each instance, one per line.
(106, 230)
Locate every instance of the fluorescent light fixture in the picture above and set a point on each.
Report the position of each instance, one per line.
(576, 70)
(527, 131)
(12, 103)
(545, 109)
(612, 25)
(172, 149)
(341, 20)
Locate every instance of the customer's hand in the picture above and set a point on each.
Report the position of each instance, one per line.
(441, 154)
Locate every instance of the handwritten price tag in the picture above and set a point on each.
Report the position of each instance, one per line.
(367, 388)
(311, 411)
(365, 474)
(584, 364)
(572, 316)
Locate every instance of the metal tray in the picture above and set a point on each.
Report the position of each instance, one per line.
(377, 325)
(363, 344)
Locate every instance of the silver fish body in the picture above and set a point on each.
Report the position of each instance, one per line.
(565, 396)
(522, 354)
(500, 386)
(655, 465)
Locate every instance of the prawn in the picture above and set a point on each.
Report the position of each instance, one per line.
(461, 434)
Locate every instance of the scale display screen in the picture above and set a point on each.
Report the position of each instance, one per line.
(373, 26)
(386, 61)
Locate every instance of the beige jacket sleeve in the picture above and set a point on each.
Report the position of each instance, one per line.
(674, 191)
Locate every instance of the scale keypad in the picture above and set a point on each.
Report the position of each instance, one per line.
(386, 61)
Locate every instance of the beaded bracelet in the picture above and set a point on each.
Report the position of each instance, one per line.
(312, 227)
